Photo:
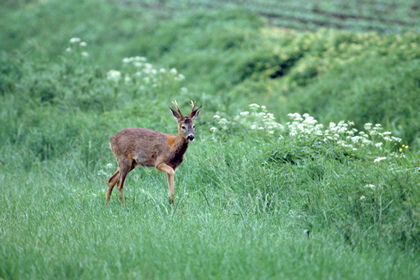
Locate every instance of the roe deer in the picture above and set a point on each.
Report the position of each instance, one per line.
(146, 147)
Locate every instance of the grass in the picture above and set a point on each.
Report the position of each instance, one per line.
(262, 194)
(56, 225)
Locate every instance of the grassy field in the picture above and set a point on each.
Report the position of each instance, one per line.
(359, 15)
(306, 158)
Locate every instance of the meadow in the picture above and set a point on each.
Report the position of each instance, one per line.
(306, 158)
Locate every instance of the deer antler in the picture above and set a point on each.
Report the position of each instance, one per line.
(177, 107)
(192, 105)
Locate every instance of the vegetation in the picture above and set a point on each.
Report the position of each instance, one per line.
(305, 163)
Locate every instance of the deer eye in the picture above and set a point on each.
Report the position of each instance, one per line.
(183, 127)
(193, 126)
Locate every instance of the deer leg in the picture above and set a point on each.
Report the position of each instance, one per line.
(124, 170)
(170, 174)
(112, 181)
(171, 188)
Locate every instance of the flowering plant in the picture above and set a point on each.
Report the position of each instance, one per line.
(304, 137)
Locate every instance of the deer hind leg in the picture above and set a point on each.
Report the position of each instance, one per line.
(112, 181)
(170, 174)
(124, 170)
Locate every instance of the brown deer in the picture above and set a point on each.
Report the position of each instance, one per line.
(146, 147)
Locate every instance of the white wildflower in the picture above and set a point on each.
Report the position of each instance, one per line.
(370, 186)
(378, 159)
(140, 58)
(127, 60)
(75, 40)
(223, 121)
(396, 139)
(113, 75)
(368, 126)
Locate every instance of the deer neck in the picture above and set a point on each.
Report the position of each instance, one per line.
(180, 145)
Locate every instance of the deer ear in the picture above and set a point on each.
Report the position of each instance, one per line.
(177, 116)
(194, 114)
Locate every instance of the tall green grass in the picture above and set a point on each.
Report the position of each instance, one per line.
(259, 196)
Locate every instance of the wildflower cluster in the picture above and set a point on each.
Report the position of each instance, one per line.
(257, 119)
(342, 134)
(77, 46)
(303, 127)
(305, 131)
(137, 69)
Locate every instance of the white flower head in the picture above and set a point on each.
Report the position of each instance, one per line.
(75, 40)
(379, 159)
(113, 75)
(139, 58)
(368, 126)
(127, 60)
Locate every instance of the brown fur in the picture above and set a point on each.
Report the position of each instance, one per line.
(145, 147)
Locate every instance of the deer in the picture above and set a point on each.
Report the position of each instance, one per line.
(146, 147)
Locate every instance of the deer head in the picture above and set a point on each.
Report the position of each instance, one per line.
(185, 123)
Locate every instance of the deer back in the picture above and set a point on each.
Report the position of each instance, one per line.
(147, 147)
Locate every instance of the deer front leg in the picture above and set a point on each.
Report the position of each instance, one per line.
(170, 174)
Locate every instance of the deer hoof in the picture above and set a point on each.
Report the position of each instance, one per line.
(171, 200)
